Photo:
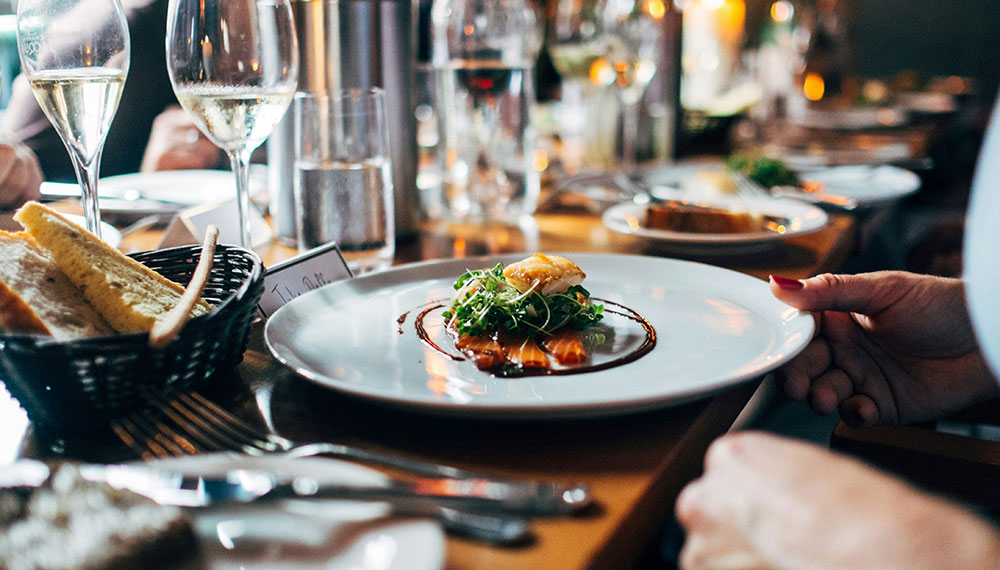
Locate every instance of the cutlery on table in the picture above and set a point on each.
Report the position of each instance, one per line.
(252, 486)
(188, 424)
(751, 189)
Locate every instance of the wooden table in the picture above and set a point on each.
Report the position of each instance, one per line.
(635, 464)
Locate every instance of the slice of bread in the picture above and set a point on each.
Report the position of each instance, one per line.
(37, 298)
(129, 295)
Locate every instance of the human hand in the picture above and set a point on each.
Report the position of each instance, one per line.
(768, 502)
(20, 175)
(891, 348)
(175, 143)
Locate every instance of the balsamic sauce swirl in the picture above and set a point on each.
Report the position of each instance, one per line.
(517, 372)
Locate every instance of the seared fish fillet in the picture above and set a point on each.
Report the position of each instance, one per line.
(548, 274)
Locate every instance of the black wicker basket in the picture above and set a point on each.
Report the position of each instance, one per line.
(81, 384)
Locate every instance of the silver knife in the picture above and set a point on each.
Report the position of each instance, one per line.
(245, 486)
(170, 488)
(821, 198)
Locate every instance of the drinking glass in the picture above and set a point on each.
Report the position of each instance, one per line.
(483, 54)
(343, 176)
(576, 47)
(234, 67)
(632, 33)
(75, 55)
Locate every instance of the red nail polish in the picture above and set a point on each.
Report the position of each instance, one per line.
(786, 283)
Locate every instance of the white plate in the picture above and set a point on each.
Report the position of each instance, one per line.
(868, 185)
(144, 193)
(333, 535)
(187, 187)
(628, 218)
(714, 328)
(109, 234)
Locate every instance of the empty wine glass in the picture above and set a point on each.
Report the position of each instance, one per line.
(75, 55)
(234, 67)
(632, 33)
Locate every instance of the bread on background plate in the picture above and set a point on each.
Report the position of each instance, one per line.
(129, 295)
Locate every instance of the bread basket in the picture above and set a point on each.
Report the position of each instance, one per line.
(81, 384)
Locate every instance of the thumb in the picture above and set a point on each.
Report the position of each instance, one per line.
(865, 293)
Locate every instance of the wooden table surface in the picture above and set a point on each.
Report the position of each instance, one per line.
(635, 464)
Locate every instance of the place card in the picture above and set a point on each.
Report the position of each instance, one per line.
(301, 274)
(190, 224)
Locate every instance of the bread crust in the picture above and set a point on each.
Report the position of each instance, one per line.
(17, 316)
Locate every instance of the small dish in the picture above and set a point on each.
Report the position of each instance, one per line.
(629, 218)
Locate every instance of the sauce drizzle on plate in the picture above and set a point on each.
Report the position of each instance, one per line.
(643, 348)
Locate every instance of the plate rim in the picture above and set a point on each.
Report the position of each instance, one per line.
(527, 411)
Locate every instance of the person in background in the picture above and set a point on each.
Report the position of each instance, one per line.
(20, 175)
(149, 131)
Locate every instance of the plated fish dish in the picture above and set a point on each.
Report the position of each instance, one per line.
(532, 317)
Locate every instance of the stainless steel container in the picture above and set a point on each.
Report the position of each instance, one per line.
(346, 44)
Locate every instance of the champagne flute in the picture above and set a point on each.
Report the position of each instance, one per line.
(234, 67)
(75, 55)
(632, 31)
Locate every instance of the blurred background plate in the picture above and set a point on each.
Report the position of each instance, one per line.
(144, 193)
(868, 185)
(802, 218)
(109, 234)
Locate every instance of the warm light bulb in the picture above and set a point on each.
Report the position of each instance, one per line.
(782, 11)
(656, 8)
(813, 87)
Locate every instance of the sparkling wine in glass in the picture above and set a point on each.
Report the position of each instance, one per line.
(234, 67)
(632, 32)
(75, 56)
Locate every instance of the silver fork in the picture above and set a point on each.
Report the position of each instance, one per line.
(747, 187)
(189, 423)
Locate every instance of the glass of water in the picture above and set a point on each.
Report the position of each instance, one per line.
(343, 176)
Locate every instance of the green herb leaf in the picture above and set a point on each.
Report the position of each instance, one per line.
(485, 303)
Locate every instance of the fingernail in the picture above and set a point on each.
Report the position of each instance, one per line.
(786, 283)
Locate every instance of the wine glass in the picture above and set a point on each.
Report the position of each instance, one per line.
(575, 45)
(632, 33)
(75, 55)
(234, 67)
(483, 52)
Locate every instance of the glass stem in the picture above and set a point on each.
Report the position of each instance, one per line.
(240, 160)
(630, 134)
(86, 175)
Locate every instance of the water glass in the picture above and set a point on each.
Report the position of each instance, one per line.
(343, 176)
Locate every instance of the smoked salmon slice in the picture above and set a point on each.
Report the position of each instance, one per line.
(523, 351)
(566, 346)
(485, 352)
